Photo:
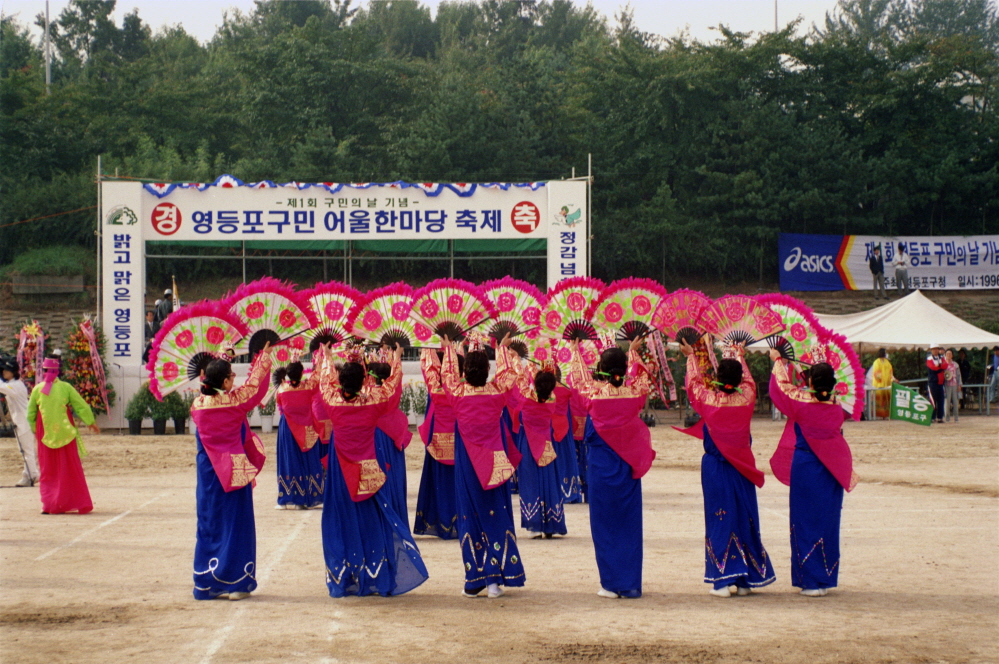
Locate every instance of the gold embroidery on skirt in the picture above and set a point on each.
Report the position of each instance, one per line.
(502, 468)
(441, 447)
(372, 477)
(548, 455)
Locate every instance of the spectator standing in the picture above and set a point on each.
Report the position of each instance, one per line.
(165, 307)
(877, 265)
(901, 265)
(992, 373)
(965, 367)
(935, 366)
(953, 386)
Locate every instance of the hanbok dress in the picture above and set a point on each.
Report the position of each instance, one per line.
(883, 377)
(300, 471)
(733, 546)
(229, 458)
(814, 459)
(619, 454)
(436, 507)
(61, 483)
(577, 418)
(483, 463)
(566, 461)
(367, 545)
(392, 437)
(541, 502)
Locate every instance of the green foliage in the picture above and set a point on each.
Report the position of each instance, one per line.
(406, 399)
(162, 410)
(53, 261)
(881, 121)
(419, 399)
(269, 407)
(179, 410)
(138, 406)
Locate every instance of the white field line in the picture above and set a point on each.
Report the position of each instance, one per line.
(225, 630)
(99, 526)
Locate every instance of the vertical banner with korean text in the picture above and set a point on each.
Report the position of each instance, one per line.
(123, 272)
(568, 227)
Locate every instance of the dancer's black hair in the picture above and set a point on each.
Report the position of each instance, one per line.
(351, 379)
(293, 372)
(476, 368)
(729, 375)
(613, 366)
(216, 374)
(823, 380)
(380, 370)
(544, 385)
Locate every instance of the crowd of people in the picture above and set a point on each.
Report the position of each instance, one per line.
(341, 447)
(342, 440)
(946, 377)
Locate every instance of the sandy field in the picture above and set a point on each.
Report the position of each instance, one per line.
(919, 578)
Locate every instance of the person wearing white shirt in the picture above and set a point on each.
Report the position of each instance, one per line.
(901, 265)
(16, 394)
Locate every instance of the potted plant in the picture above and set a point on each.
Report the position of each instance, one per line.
(179, 411)
(160, 411)
(406, 399)
(138, 409)
(188, 398)
(267, 415)
(418, 402)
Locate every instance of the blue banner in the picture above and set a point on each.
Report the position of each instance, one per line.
(809, 262)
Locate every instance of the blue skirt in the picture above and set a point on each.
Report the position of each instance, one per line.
(367, 546)
(436, 508)
(582, 459)
(816, 508)
(300, 474)
(393, 463)
(485, 528)
(510, 437)
(734, 553)
(615, 517)
(567, 469)
(225, 552)
(541, 508)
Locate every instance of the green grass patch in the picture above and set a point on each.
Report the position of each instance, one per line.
(56, 261)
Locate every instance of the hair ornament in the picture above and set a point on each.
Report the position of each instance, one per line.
(727, 386)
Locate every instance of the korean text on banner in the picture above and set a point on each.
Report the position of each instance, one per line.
(910, 406)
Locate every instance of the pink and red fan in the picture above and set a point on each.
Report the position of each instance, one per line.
(735, 319)
(626, 308)
(190, 338)
(331, 303)
(568, 303)
(449, 307)
(678, 315)
(273, 312)
(518, 307)
(383, 316)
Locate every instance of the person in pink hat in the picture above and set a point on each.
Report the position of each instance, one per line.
(61, 484)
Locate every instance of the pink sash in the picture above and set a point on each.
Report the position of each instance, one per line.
(616, 421)
(296, 406)
(537, 427)
(560, 418)
(478, 417)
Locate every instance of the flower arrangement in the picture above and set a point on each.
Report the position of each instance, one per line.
(30, 350)
(83, 370)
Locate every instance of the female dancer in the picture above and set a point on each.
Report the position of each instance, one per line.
(300, 470)
(392, 437)
(619, 454)
(482, 466)
(436, 510)
(566, 463)
(367, 546)
(541, 507)
(817, 464)
(61, 483)
(735, 560)
(577, 418)
(229, 457)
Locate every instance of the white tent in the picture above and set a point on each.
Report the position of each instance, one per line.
(914, 321)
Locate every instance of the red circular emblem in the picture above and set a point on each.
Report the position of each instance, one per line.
(166, 218)
(525, 217)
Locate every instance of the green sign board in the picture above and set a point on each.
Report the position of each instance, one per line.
(910, 406)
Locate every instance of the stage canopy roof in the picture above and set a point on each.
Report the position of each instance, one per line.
(913, 321)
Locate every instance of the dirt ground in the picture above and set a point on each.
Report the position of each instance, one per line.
(920, 551)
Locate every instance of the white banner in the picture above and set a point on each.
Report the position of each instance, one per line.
(231, 210)
(935, 262)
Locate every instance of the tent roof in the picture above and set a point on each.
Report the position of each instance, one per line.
(914, 321)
